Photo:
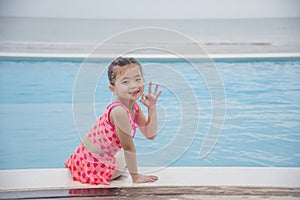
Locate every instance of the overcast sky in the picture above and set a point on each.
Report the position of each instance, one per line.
(152, 9)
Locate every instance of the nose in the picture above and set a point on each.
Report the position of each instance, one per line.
(133, 85)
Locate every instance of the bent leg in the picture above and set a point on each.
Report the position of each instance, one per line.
(121, 165)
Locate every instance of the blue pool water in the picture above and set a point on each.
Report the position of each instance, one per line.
(262, 122)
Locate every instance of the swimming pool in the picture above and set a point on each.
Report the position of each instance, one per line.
(262, 126)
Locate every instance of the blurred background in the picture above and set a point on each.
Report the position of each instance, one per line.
(76, 26)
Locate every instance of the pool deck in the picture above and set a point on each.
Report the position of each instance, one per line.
(174, 182)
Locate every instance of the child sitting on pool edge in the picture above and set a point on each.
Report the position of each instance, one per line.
(98, 159)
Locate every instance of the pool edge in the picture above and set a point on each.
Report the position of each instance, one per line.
(83, 56)
(249, 181)
(60, 178)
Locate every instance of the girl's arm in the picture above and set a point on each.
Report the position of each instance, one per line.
(149, 126)
(119, 118)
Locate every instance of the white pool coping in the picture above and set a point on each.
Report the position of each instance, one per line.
(60, 178)
(82, 56)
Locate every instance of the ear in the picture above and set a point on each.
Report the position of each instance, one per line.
(113, 89)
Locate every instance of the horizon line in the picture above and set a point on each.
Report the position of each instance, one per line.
(104, 18)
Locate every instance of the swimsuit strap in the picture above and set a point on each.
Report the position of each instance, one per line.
(136, 109)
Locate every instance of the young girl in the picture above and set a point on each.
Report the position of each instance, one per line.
(97, 160)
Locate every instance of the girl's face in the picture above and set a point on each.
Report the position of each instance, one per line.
(129, 84)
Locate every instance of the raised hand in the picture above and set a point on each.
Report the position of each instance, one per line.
(150, 98)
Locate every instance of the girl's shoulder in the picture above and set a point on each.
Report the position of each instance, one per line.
(119, 104)
(118, 108)
(121, 111)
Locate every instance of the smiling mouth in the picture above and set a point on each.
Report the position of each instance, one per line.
(134, 92)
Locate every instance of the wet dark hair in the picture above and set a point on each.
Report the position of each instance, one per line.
(120, 62)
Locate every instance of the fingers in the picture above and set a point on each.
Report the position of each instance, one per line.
(155, 90)
(150, 178)
(143, 98)
(145, 179)
(150, 98)
(153, 178)
(159, 93)
(150, 88)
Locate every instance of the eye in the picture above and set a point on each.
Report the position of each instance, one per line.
(124, 82)
(138, 79)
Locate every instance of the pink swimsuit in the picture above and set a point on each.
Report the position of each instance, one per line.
(91, 168)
